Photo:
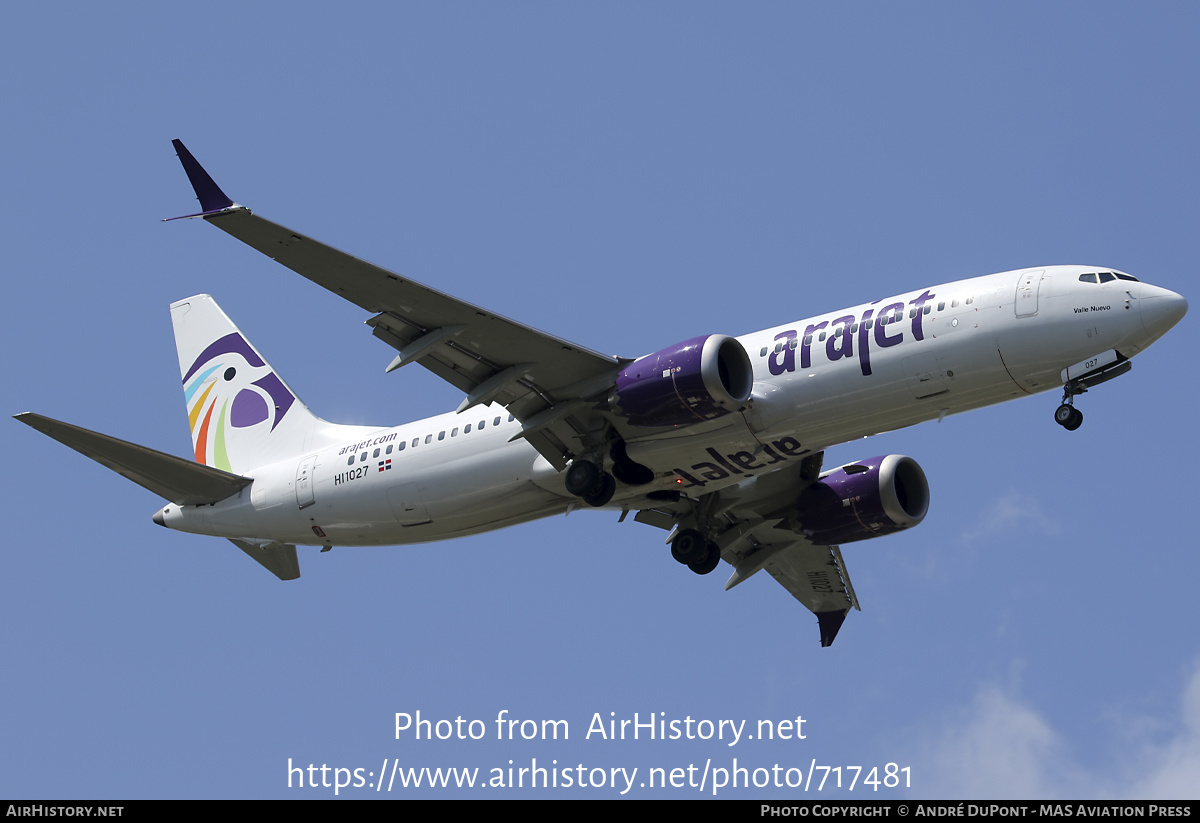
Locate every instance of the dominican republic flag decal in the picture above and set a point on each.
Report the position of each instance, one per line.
(385, 465)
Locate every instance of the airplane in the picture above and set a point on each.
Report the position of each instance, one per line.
(717, 440)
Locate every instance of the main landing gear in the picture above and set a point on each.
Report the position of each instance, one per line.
(1066, 415)
(693, 550)
(585, 479)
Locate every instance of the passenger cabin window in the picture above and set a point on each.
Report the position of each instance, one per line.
(441, 435)
(428, 439)
(375, 453)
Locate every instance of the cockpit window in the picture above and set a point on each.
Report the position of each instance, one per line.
(1106, 277)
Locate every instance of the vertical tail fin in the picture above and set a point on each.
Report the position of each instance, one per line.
(240, 413)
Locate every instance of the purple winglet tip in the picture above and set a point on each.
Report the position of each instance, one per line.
(211, 198)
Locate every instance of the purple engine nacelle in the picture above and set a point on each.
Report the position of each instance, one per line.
(870, 498)
(698, 379)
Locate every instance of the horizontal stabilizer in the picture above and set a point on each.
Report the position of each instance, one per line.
(277, 558)
(181, 481)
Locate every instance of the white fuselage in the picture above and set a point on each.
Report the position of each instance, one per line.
(818, 382)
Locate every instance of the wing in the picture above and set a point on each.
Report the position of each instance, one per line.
(753, 527)
(543, 380)
(817, 577)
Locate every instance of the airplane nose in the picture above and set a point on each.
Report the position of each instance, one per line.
(1161, 309)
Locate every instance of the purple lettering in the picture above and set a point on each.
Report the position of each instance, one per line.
(784, 359)
(919, 303)
(710, 470)
(864, 353)
(840, 343)
(789, 446)
(881, 324)
(774, 457)
(745, 460)
(805, 358)
(716, 455)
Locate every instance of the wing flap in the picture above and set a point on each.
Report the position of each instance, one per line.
(181, 481)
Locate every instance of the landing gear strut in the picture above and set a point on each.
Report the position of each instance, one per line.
(1066, 415)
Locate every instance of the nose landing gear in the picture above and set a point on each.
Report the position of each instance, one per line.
(1066, 415)
(1079, 378)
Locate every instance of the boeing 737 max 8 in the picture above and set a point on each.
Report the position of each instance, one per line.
(717, 439)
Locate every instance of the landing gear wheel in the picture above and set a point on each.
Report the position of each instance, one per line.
(583, 477)
(711, 560)
(603, 494)
(689, 546)
(1069, 417)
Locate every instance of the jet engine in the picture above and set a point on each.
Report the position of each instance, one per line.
(870, 498)
(698, 379)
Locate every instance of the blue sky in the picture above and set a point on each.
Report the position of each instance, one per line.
(627, 176)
